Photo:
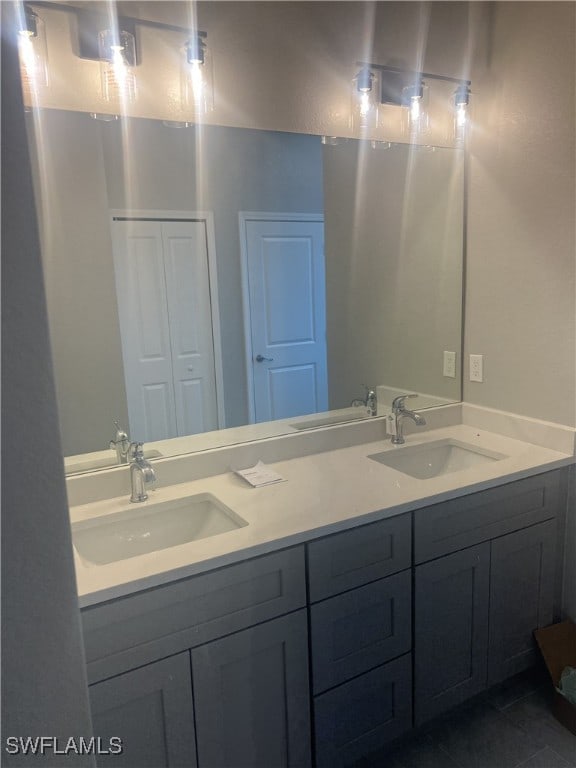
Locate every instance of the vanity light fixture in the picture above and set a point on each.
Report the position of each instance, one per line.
(364, 100)
(410, 90)
(112, 42)
(117, 51)
(196, 77)
(32, 51)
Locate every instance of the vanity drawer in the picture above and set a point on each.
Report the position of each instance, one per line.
(361, 629)
(353, 558)
(464, 522)
(364, 714)
(131, 631)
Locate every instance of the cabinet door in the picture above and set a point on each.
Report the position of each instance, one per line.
(521, 597)
(151, 710)
(451, 630)
(364, 714)
(251, 695)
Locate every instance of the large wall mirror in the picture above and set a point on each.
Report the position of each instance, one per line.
(211, 285)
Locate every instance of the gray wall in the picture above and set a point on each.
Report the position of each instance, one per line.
(521, 297)
(394, 239)
(89, 167)
(521, 262)
(43, 673)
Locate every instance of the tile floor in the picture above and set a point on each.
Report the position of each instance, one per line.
(510, 726)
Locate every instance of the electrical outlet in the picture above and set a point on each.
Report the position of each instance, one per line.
(449, 364)
(476, 366)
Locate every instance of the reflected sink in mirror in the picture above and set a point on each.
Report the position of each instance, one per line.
(83, 464)
(343, 416)
(441, 457)
(150, 527)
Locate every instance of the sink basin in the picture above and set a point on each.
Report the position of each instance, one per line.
(438, 458)
(149, 527)
(105, 462)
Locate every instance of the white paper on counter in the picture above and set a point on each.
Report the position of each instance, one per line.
(260, 475)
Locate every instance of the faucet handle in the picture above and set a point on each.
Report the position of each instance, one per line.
(137, 451)
(398, 402)
(121, 433)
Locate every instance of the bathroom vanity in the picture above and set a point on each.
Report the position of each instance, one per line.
(315, 636)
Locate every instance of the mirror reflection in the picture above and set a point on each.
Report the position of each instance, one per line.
(203, 279)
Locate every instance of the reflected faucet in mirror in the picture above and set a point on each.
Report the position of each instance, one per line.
(370, 402)
(121, 444)
(399, 413)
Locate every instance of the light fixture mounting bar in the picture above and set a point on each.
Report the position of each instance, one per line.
(413, 74)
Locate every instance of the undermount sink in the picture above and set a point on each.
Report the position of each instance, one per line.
(438, 458)
(150, 527)
(105, 462)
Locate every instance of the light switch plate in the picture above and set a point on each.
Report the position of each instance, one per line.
(449, 368)
(476, 368)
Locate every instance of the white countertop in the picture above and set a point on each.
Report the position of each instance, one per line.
(323, 493)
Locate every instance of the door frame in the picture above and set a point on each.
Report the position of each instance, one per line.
(243, 218)
(207, 218)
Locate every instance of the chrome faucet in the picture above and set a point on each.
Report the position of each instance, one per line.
(141, 473)
(370, 402)
(399, 413)
(121, 444)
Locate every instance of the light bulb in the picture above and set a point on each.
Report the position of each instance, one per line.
(364, 103)
(118, 57)
(415, 99)
(461, 116)
(32, 53)
(196, 76)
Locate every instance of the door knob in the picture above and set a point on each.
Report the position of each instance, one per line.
(261, 359)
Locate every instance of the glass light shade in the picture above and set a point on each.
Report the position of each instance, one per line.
(197, 77)
(461, 115)
(118, 57)
(365, 101)
(416, 115)
(33, 54)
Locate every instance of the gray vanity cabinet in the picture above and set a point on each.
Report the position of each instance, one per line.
(476, 609)
(251, 694)
(451, 630)
(151, 710)
(521, 597)
(360, 587)
(213, 671)
(206, 672)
